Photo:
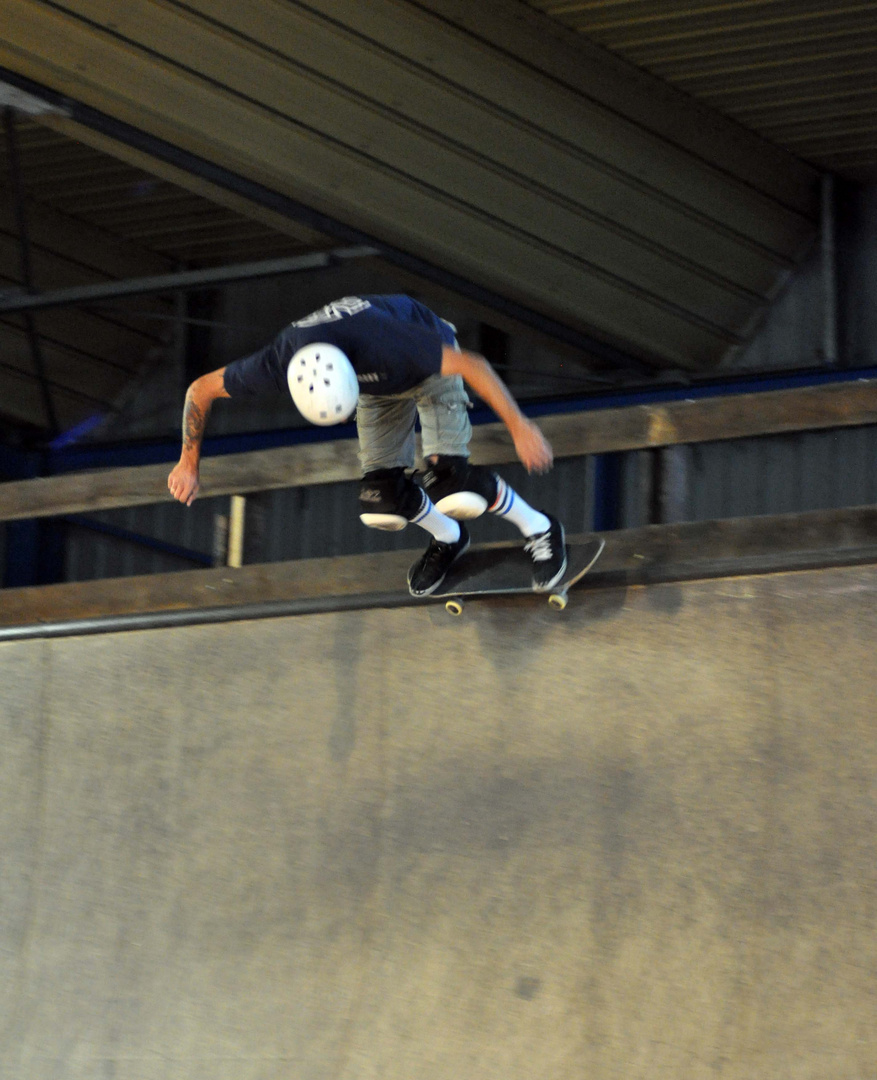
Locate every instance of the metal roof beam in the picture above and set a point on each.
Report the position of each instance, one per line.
(186, 279)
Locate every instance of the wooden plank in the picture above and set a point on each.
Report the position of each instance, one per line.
(644, 556)
(572, 435)
(737, 416)
(293, 466)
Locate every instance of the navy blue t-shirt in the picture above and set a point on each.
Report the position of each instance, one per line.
(393, 343)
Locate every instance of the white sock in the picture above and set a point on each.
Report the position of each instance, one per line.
(511, 506)
(442, 528)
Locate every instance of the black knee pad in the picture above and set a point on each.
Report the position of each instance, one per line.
(388, 499)
(459, 489)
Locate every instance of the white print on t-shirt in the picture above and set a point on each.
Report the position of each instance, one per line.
(338, 309)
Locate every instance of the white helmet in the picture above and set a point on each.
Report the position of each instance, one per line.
(322, 383)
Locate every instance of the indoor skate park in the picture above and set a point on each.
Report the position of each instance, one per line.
(263, 814)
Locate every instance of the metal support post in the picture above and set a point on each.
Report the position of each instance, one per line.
(236, 531)
(607, 492)
(829, 272)
(674, 493)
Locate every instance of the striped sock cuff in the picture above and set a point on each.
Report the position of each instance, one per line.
(425, 507)
(505, 498)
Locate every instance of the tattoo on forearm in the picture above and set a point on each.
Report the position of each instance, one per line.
(194, 422)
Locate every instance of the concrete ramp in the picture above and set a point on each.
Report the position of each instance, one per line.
(638, 839)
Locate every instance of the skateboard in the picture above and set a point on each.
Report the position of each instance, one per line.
(494, 571)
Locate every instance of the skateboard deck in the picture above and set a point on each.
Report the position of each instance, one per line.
(495, 571)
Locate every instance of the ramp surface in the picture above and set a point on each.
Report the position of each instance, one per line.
(637, 839)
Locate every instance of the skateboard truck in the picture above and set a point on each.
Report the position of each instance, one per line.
(557, 600)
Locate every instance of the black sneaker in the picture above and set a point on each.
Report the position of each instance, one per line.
(458, 489)
(429, 571)
(548, 552)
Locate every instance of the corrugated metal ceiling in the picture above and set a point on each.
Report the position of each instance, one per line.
(803, 73)
(532, 165)
(93, 218)
(458, 144)
(138, 207)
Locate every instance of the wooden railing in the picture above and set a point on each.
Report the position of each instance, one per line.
(638, 427)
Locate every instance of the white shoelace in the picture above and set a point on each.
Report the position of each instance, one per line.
(539, 547)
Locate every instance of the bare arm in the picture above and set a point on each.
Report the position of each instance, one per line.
(183, 482)
(531, 445)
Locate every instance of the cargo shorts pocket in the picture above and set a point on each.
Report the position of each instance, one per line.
(443, 406)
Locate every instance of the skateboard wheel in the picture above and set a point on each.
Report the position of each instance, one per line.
(558, 601)
(454, 606)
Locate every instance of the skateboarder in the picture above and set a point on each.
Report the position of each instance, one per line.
(391, 359)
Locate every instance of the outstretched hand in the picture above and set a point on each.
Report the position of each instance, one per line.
(183, 483)
(532, 447)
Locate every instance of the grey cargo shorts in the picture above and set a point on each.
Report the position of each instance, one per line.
(386, 424)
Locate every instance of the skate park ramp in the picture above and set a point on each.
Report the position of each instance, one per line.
(635, 839)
